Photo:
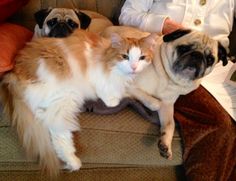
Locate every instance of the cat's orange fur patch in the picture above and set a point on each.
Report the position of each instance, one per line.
(27, 61)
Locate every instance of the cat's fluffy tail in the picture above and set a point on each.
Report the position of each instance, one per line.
(34, 136)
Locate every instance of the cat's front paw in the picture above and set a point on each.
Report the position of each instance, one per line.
(74, 164)
(112, 102)
(154, 106)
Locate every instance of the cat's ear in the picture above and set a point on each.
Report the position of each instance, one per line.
(116, 40)
(151, 40)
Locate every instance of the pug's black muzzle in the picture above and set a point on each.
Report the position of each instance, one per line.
(60, 30)
(191, 65)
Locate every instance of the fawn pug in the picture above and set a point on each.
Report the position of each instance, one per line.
(181, 60)
(59, 22)
(53, 77)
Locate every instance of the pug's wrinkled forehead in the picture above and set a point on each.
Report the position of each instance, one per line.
(63, 14)
(195, 39)
(185, 41)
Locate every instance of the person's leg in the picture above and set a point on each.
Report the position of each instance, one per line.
(209, 137)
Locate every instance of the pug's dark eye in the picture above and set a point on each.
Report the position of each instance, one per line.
(210, 60)
(52, 22)
(124, 56)
(184, 48)
(72, 24)
(142, 57)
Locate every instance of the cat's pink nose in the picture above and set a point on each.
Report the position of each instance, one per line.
(134, 66)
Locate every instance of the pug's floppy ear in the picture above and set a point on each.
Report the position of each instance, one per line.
(222, 54)
(41, 15)
(175, 35)
(85, 20)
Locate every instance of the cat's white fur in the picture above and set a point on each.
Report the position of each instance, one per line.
(55, 102)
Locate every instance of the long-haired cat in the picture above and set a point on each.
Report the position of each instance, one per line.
(53, 77)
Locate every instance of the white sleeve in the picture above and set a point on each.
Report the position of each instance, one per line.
(136, 13)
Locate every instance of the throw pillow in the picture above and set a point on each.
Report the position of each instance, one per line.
(13, 38)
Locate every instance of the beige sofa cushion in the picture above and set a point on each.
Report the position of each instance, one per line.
(119, 140)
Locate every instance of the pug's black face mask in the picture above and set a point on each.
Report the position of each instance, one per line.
(61, 28)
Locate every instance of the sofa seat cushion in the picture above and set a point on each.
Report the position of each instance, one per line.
(102, 174)
(123, 139)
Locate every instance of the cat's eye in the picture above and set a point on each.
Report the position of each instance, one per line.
(142, 57)
(124, 56)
